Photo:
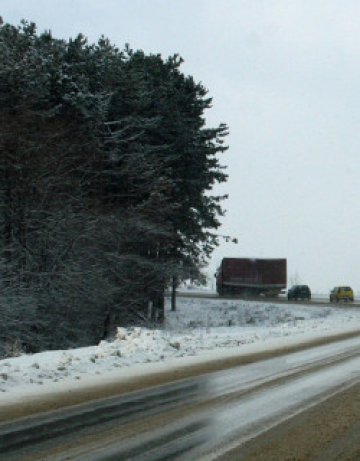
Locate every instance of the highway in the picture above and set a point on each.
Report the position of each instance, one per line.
(221, 415)
(282, 299)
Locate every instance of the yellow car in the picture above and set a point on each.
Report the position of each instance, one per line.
(341, 294)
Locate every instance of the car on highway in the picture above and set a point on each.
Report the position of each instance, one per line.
(343, 293)
(299, 292)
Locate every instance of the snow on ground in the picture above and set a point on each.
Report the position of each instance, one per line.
(199, 330)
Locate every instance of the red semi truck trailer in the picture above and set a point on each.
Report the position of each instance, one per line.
(248, 276)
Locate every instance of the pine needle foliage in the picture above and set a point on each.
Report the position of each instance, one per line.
(106, 173)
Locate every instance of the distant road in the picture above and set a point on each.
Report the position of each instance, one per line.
(316, 301)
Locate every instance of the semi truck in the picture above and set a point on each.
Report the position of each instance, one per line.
(251, 276)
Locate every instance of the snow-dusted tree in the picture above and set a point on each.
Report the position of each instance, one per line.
(106, 169)
(47, 181)
(167, 163)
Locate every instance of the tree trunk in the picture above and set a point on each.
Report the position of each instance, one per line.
(173, 293)
(159, 308)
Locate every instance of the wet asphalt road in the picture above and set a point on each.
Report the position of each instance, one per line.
(195, 418)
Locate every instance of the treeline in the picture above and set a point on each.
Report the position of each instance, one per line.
(106, 171)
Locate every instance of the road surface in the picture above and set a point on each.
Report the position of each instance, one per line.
(282, 299)
(296, 406)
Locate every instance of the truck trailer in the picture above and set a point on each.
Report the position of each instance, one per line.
(251, 277)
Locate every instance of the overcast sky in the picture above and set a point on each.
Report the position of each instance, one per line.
(284, 75)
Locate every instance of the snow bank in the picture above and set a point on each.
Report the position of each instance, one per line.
(199, 328)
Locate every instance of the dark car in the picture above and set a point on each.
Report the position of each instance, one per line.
(299, 292)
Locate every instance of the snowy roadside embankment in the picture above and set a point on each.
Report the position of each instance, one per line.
(200, 329)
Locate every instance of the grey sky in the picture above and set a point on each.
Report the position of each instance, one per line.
(284, 75)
